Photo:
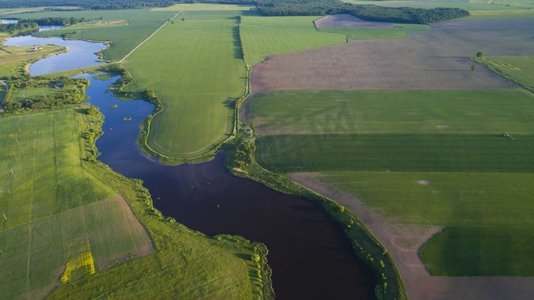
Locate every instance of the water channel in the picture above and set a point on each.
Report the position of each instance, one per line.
(308, 252)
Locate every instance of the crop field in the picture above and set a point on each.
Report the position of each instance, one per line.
(438, 158)
(52, 209)
(203, 81)
(12, 59)
(392, 112)
(290, 153)
(265, 36)
(141, 23)
(482, 232)
(519, 69)
(357, 29)
(437, 59)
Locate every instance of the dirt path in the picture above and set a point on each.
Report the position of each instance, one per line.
(149, 37)
(403, 242)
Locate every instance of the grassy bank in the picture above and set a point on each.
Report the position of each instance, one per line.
(519, 69)
(204, 82)
(13, 60)
(241, 162)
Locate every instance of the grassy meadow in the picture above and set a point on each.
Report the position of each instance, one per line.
(205, 75)
(123, 38)
(52, 209)
(13, 59)
(454, 158)
(265, 36)
(406, 112)
(519, 69)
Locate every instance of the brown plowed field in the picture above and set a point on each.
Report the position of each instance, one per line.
(437, 59)
(403, 242)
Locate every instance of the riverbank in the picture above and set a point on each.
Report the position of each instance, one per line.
(243, 164)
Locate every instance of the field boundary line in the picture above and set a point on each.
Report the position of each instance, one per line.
(149, 37)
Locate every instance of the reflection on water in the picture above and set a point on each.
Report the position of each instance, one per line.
(80, 54)
(308, 252)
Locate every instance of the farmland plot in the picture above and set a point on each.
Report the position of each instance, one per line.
(52, 209)
(205, 75)
(265, 36)
(519, 69)
(433, 173)
(437, 59)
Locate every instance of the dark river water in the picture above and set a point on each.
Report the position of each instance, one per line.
(308, 252)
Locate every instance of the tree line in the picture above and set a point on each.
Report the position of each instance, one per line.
(275, 8)
(87, 4)
(364, 12)
(31, 25)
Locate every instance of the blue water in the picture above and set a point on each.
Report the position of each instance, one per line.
(80, 54)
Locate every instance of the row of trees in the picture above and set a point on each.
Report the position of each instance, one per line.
(91, 4)
(55, 21)
(31, 25)
(275, 8)
(365, 12)
(19, 28)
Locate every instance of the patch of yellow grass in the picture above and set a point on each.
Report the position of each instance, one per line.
(83, 262)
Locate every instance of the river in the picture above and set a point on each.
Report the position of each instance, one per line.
(308, 252)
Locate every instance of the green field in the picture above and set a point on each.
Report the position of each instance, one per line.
(398, 32)
(141, 23)
(393, 112)
(195, 68)
(519, 69)
(488, 216)
(394, 152)
(20, 94)
(420, 157)
(56, 207)
(265, 36)
(52, 209)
